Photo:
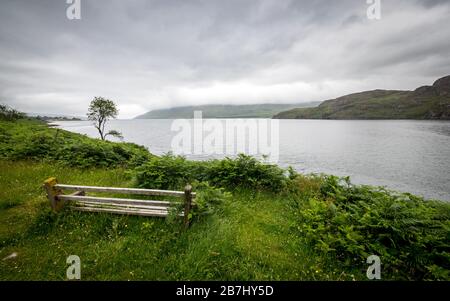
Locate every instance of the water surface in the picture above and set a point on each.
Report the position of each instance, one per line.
(409, 156)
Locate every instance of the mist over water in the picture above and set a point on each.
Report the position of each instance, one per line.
(408, 156)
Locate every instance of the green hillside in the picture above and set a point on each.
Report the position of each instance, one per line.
(427, 102)
(224, 111)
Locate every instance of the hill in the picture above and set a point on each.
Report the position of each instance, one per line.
(225, 111)
(426, 102)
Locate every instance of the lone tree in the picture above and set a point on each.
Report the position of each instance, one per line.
(100, 111)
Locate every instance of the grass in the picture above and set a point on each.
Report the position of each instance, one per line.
(264, 224)
(250, 237)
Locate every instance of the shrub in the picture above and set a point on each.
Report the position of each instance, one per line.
(246, 172)
(208, 199)
(35, 141)
(165, 172)
(101, 154)
(134, 154)
(410, 235)
(85, 154)
(243, 172)
(35, 146)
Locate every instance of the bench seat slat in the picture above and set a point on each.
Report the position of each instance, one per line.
(115, 200)
(121, 211)
(125, 206)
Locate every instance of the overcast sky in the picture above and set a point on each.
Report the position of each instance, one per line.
(156, 54)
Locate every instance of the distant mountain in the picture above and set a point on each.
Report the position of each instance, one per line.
(224, 111)
(427, 102)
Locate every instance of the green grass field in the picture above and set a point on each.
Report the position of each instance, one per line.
(249, 238)
(253, 222)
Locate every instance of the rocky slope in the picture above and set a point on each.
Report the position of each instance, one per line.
(426, 102)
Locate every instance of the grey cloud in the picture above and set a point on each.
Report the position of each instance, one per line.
(154, 54)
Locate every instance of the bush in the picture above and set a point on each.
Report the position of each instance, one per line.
(246, 172)
(35, 146)
(165, 172)
(101, 154)
(86, 154)
(208, 199)
(35, 141)
(243, 172)
(410, 235)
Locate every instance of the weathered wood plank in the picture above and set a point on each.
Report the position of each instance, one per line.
(115, 200)
(130, 206)
(138, 191)
(78, 200)
(52, 193)
(79, 193)
(121, 211)
(187, 204)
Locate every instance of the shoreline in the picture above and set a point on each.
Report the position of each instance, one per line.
(361, 179)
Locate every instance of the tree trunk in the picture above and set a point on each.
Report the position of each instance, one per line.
(100, 130)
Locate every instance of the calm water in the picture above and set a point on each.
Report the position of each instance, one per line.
(410, 156)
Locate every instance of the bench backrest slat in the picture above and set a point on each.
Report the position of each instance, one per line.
(115, 200)
(137, 191)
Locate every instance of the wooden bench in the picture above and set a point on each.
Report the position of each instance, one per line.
(81, 202)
